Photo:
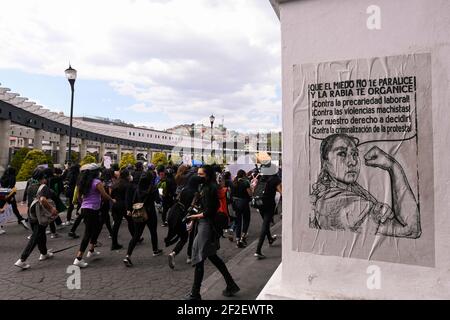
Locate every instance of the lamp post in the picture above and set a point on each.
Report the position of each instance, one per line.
(71, 75)
(203, 159)
(211, 119)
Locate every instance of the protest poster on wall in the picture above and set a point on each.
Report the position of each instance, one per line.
(369, 159)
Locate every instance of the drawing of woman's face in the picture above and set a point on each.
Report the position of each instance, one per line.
(343, 160)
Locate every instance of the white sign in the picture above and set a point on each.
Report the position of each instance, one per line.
(107, 162)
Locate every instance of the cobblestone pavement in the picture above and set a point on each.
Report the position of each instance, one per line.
(106, 277)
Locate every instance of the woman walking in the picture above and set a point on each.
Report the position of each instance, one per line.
(241, 193)
(39, 209)
(120, 192)
(206, 242)
(91, 190)
(72, 178)
(176, 218)
(145, 193)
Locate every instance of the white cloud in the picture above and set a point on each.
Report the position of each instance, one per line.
(184, 59)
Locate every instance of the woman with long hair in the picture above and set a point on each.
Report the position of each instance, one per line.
(120, 192)
(241, 193)
(72, 177)
(91, 190)
(176, 218)
(182, 176)
(145, 193)
(106, 178)
(206, 242)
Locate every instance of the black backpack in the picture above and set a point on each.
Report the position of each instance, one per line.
(258, 193)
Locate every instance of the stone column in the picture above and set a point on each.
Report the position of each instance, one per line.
(119, 153)
(54, 151)
(37, 142)
(63, 140)
(101, 151)
(5, 127)
(83, 149)
(135, 152)
(149, 155)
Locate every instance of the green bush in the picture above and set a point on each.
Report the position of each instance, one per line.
(18, 158)
(34, 158)
(75, 156)
(88, 159)
(159, 158)
(127, 159)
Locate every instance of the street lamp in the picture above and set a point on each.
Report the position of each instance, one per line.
(71, 75)
(211, 119)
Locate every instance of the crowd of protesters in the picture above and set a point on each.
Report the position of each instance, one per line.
(198, 205)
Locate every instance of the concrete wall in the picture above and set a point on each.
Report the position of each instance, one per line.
(331, 30)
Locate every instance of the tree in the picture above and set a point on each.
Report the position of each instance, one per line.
(75, 156)
(88, 159)
(127, 159)
(18, 158)
(34, 158)
(176, 159)
(159, 158)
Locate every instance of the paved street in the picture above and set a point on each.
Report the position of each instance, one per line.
(107, 277)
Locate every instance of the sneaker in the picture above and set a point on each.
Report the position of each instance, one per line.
(189, 260)
(240, 244)
(164, 225)
(231, 290)
(43, 257)
(171, 260)
(259, 256)
(92, 254)
(29, 237)
(47, 232)
(25, 224)
(2, 231)
(73, 235)
(157, 253)
(54, 236)
(274, 238)
(127, 262)
(80, 263)
(22, 264)
(116, 247)
(110, 237)
(190, 296)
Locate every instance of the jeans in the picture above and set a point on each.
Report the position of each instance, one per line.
(38, 238)
(13, 203)
(152, 224)
(77, 222)
(200, 270)
(106, 219)
(54, 223)
(267, 214)
(92, 220)
(119, 211)
(242, 221)
(167, 204)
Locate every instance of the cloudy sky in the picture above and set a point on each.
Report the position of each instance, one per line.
(149, 62)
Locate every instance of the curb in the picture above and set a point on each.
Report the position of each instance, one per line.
(231, 264)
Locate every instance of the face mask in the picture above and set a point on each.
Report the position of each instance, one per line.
(202, 180)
